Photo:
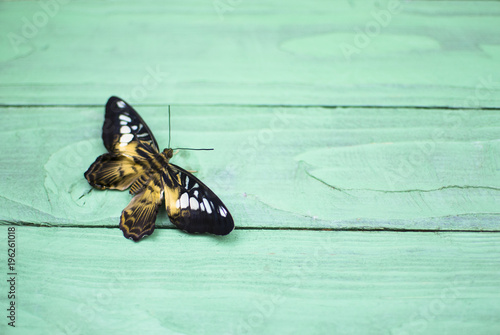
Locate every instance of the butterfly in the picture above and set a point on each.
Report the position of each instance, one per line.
(134, 161)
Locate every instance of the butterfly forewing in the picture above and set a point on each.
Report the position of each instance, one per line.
(192, 206)
(123, 126)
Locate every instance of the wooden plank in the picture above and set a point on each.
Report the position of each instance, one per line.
(351, 168)
(82, 281)
(424, 53)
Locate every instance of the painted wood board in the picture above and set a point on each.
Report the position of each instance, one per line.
(417, 53)
(336, 168)
(90, 280)
(250, 82)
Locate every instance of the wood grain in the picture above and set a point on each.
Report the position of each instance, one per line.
(377, 117)
(255, 282)
(424, 53)
(346, 168)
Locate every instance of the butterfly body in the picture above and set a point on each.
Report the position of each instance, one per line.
(134, 161)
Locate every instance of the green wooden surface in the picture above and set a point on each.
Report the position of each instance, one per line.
(274, 167)
(260, 52)
(322, 282)
(401, 135)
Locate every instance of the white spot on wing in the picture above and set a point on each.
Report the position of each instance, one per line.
(222, 211)
(120, 104)
(126, 138)
(184, 200)
(193, 204)
(134, 127)
(187, 181)
(124, 117)
(195, 185)
(195, 193)
(124, 130)
(207, 205)
(202, 207)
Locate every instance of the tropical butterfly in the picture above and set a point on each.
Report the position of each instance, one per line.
(133, 160)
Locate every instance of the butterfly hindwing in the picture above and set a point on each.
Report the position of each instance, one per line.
(192, 206)
(111, 171)
(124, 126)
(138, 218)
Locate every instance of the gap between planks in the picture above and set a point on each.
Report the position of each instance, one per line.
(257, 106)
(356, 229)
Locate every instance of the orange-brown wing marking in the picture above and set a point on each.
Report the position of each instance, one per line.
(138, 218)
(111, 171)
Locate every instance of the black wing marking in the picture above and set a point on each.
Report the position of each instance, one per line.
(123, 125)
(192, 206)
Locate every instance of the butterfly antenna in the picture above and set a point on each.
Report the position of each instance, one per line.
(190, 149)
(168, 126)
(169, 135)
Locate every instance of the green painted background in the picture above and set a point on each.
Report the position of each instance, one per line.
(356, 144)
